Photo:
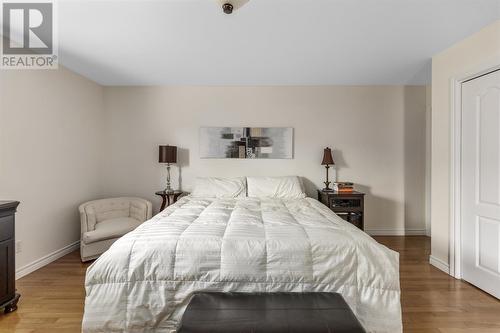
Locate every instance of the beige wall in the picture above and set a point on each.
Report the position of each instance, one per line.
(415, 112)
(377, 133)
(428, 164)
(467, 57)
(50, 134)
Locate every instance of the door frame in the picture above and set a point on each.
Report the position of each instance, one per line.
(455, 236)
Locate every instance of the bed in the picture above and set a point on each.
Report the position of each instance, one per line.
(238, 243)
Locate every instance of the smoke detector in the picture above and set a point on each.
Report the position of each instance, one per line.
(228, 6)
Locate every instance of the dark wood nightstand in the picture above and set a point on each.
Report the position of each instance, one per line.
(168, 198)
(349, 206)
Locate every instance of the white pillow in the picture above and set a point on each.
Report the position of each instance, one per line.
(289, 187)
(213, 187)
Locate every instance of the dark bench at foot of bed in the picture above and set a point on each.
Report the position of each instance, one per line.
(269, 312)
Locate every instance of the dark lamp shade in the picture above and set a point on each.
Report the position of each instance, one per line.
(168, 154)
(327, 157)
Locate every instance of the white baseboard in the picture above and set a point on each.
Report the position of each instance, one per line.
(395, 232)
(45, 260)
(438, 263)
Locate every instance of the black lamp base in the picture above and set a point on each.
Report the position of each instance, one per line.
(327, 183)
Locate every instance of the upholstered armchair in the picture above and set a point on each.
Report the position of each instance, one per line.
(104, 221)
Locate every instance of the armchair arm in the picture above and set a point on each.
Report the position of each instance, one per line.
(87, 217)
(140, 209)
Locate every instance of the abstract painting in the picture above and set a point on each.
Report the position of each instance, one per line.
(246, 142)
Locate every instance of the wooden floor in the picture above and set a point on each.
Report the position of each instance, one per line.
(52, 297)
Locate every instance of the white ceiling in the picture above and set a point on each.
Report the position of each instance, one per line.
(266, 42)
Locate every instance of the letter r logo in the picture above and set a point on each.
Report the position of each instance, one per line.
(28, 27)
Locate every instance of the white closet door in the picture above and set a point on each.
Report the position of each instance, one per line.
(481, 182)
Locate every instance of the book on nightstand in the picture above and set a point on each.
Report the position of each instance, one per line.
(343, 187)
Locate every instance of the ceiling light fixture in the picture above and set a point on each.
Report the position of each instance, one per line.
(228, 6)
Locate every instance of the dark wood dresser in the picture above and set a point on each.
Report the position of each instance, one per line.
(348, 205)
(8, 295)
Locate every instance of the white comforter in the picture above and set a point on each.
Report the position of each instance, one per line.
(144, 281)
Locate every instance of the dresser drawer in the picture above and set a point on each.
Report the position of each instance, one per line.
(6, 227)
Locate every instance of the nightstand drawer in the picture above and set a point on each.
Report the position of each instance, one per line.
(345, 203)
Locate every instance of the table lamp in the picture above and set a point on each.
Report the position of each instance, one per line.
(327, 161)
(168, 155)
